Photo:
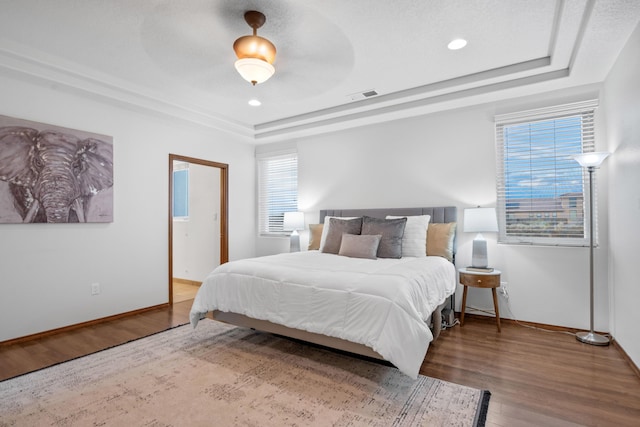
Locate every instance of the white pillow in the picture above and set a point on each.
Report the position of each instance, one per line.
(414, 241)
(325, 228)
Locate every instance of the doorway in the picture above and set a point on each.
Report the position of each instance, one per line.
(198, 223)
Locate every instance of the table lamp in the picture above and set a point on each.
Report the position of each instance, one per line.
(480, 220)
(293, 221)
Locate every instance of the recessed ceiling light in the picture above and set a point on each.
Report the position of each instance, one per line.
(457, 44)
(255, 103)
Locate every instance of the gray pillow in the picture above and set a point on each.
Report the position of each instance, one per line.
(391, 231)
(338, 227)
(359, 246)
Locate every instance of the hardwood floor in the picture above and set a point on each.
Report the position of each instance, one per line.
(536, 378)
(184, 291)
(22, 357)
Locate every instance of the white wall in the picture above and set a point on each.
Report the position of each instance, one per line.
(622, 107)
(46, 269)
(196, 242)
(448, 158)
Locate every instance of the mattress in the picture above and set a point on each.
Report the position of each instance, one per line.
(381, 303)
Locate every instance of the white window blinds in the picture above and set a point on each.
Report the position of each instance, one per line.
(277, 190)
(541, 188)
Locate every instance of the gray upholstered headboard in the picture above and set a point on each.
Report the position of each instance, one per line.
(438, 214)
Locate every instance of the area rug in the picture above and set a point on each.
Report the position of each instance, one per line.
(220, 375)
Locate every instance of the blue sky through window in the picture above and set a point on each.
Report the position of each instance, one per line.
(538, 158)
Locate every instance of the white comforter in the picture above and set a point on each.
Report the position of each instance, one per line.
(381, 303)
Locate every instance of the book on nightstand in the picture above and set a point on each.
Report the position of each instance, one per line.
(480, 269)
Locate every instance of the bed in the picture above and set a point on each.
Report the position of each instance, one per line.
(380, 308)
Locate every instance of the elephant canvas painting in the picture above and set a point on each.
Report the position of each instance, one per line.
(54, 174)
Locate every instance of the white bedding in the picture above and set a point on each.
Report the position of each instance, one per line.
(380, 303)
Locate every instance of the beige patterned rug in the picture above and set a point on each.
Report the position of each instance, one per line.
(219, 375)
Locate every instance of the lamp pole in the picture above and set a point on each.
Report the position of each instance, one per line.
(591, 337)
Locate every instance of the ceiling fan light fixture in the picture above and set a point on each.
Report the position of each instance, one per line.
(254, 70)
(255, 54)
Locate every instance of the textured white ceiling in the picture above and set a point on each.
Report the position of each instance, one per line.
(176, 57)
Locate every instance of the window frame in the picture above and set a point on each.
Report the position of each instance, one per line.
(507, 209)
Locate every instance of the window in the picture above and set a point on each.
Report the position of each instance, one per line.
(181, 191)
(573, 202)
(277, 190)
(541, 189)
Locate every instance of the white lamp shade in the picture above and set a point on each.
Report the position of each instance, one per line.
(254, 70)
(480, 220)
(591, 159)
(293, 221)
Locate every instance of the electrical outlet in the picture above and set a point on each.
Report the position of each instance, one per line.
(504, 290)
(95, 289)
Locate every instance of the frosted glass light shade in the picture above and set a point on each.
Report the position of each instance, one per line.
(480, 220)
(255, 47)
(591, 159)
(254, 70)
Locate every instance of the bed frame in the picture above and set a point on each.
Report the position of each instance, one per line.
(438, 215)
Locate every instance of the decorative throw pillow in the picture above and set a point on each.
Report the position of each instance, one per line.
(337, 228)
(315, 235)
(360, 246)
(391, 231)
(327, 226)
(414, 241)
(440, 239)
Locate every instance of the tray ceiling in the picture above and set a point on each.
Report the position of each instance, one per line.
(176, 57)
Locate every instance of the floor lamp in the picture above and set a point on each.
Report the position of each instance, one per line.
(591, 161)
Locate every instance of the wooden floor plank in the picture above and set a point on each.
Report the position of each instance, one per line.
(536, 378)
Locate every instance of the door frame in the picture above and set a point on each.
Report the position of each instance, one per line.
(224, 210)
